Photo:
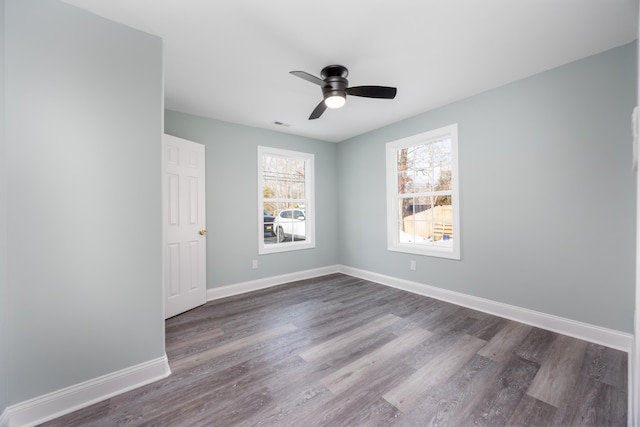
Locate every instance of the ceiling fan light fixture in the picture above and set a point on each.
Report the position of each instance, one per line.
(335, 101)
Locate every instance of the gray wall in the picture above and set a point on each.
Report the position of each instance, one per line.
(83, 148)
(231, 164)
(4, 291)
(547, 194)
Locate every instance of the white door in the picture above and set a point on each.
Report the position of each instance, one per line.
(185, 249)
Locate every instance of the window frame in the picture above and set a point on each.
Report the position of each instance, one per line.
(309, 201)
(393, 239)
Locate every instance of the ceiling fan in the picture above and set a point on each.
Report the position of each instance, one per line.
(335, 88)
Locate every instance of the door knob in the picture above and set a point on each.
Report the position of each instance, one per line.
(202, 232)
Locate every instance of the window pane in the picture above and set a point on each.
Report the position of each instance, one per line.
(423, 182)
(405, 182)
(443, 179)
(417, 156)
(443, 224)
(443, 200)
(423, 232)
(442, 148)
(283, 178)
(290, 224)
(268, 220)
(297, 190)
(402, 160)
(405, 236)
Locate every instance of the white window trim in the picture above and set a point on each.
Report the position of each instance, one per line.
(310, 217)
(393, 243)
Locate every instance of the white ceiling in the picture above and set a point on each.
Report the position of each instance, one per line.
(230, 59)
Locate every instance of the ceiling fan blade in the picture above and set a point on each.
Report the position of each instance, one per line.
(317, 112)
(373, 91)
(308, 77)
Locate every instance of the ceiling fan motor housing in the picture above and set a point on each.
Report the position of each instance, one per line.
(335, 77)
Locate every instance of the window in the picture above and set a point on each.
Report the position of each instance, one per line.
(286, 219)
(422, 194)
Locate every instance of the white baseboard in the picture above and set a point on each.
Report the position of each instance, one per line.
(267, 282)
(57, 403)
(584, 331)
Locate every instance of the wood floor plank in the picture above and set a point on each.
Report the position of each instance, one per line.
(455, 323)
(360, 403)
(593, 403)
(488, 327)
(407, 304)
(502, 396)
(235, 345)
(283, 412)
(431, 316)
(428, 350)
(606, 365)
(408, 394)
(343, 340)
(359, 370)
(376, 413)
(502, 344)
(449, 403)
(532, 412)
(193, 339)
(328, 325)
(559, 371)
(275, 314)
(535, 345)
(297, 395)
(334, 361)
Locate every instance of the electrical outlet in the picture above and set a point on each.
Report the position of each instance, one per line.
(412, 265)
(254, 263)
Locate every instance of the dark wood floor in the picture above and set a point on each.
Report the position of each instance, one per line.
(341, 351)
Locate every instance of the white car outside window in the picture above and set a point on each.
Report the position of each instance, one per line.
(290, 224)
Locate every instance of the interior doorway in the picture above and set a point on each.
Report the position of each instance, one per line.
(185, 240)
